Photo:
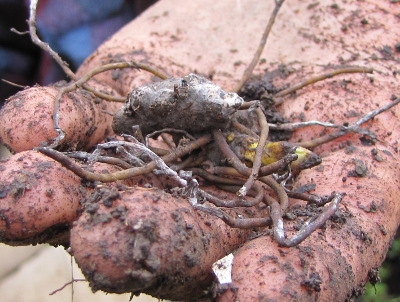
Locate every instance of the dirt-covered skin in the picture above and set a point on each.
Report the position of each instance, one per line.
(217, 39)
(342, 253)
(146, 240)
(39, 199)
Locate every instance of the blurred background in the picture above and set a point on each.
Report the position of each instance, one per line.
(74, 29)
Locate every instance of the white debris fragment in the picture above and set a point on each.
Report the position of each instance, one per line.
(223, 269)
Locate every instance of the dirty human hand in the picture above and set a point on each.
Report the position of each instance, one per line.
(144, 239)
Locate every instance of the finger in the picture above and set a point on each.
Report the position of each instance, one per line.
(335, 261)
(27, 118)
(39, 200)
(145, 235)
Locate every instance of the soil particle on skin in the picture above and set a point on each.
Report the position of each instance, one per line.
(350, 149)
(265, 258)
(3, 191)
(363, 236)
(340, 218)
(290, 216)
(313, 282)
(365, 141)
(360, 169)
(263, 298)
(373, 207)
(289, 293)
(25, 179)
(256, 87)
(261, 88)
(108, 200)
(382, 229)
(105, 196)
(18, 187)
(387, 152)
(91, 208)
(49, 192)
(305, 188)
(306, 254)
(376, 156)
(119, 212)
(309, 210)
(190, 260)
(386, 52)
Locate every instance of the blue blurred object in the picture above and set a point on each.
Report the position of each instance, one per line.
(75, 28)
